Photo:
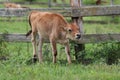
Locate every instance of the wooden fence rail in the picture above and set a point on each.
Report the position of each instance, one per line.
(49, 4)
(67, 12)
(87, 38)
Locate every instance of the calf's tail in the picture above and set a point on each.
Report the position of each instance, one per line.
(30, 31)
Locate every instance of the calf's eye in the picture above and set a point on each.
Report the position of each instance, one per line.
(69, 30)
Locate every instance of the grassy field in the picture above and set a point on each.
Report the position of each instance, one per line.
(23, 27)
(18, 67)
(48, 71)
(15, 58)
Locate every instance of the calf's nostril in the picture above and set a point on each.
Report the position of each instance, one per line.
(78, 36)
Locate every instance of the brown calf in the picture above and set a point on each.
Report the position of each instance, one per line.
(99, 2)
(13, 5)
(53, 27)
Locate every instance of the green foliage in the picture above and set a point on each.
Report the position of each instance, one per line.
(30, 0)
(109, 52)
(4, 51)
(115, 19)
(104, 52)
(16, 68)
(48, 71)
(14, 27)
(89, 2)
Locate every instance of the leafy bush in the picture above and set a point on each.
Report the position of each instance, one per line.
(103, 52)
(88, 2)
(30, 0)
(108, 52)
(4, 52)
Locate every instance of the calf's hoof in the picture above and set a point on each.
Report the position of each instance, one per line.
(34, 59)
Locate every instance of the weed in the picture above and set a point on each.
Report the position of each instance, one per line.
(103, 52)
(4, 52)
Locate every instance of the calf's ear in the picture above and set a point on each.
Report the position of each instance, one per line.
(66, 27)
(74, 23)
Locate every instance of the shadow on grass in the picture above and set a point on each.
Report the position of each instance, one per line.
(61, 62)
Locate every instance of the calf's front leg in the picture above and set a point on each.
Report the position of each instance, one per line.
(54, 49)
(67, 50)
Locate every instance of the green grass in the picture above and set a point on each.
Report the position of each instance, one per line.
(101, 28)
(49, 71)
(14, 27)
(18, 67)
(89, 28)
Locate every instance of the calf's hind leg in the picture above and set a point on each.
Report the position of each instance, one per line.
(33, 40)
(40, 50)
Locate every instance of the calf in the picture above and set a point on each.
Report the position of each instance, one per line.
(99, 2)
(52, 27)
(12, 5)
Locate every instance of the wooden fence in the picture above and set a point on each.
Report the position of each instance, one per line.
(68, 12)
(87, 38)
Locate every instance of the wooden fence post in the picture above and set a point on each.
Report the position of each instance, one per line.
(49, 3)
(79, 20)
(112, 2)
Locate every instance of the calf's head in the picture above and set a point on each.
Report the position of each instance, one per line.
(73, 31)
